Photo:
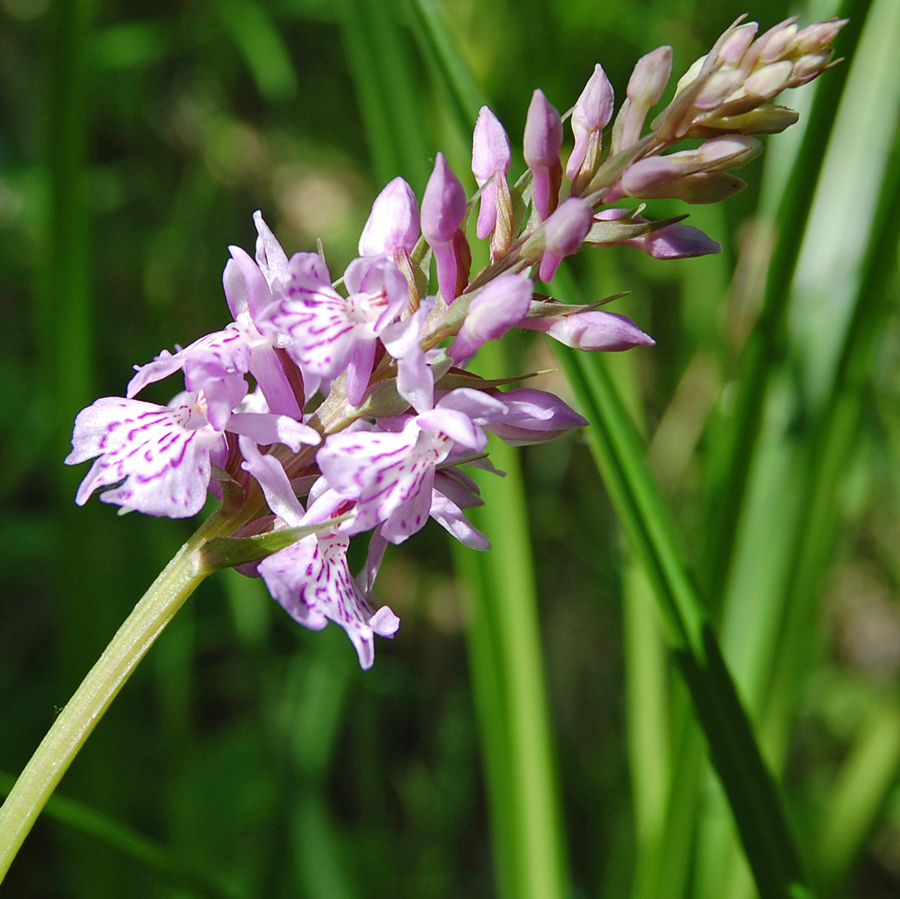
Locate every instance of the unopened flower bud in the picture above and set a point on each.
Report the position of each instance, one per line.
(736, 43)
(667, 177)
(564, 232)
(393, 223)
(591, 331)
(676, 242)
(764, 120)
(815, 37)
(534, 416)
(645, 87)
(718, 87)
(650, 76)
(542, 143)
(491, 157)
(810, 66)
(443, 209)
(768, 81)
(499, 306)
(592, 112)
(723, 153)
(772, 45)
(779, 41)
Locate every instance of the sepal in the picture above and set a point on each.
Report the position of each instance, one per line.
(229, 552)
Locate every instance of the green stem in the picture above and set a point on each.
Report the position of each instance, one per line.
(77, 720)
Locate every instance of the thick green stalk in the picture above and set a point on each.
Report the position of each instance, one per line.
(87, 706)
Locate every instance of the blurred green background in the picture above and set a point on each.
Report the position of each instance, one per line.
(249, 757)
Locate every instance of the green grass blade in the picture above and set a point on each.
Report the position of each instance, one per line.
(507, 587)
(444, 56)
(751, 791)
(386, 88)
(177, 871)
(262, 47)
(489, 693)
(859, 792)
(831, 445)
(766, 349)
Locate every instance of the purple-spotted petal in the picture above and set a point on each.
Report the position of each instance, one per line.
(328, 332)
(226, 351)
(391, 474)
(313, 583)
(155, 458)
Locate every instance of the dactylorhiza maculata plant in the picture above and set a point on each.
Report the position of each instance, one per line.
(328, 409)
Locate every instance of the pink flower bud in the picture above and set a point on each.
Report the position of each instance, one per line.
(772, 46)
(534, 417)
(808, 67)
(815, 37)
(764, 120)
(443, 205)
(564, 232)
(676, 242)
(592, 112)
(393, 223)
(724, 153)
(768, 81)
(718, 87)
(591, 331)
(646, 174)
(491, 156)
(650, 77)
(542, 143)
(735, 45)
(500, 306)
(443, 209)
(645, 87)
(672, 242)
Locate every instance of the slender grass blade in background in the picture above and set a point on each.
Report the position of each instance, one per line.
(179, 872)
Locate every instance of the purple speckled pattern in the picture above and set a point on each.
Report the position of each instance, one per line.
(153, 458)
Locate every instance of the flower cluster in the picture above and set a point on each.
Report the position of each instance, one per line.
(353, 395)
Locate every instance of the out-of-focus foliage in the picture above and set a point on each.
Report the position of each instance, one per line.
(254, 750)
